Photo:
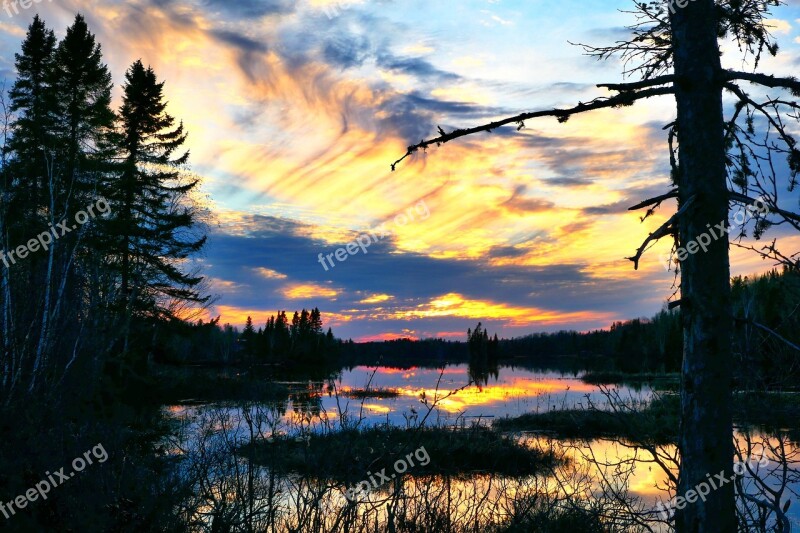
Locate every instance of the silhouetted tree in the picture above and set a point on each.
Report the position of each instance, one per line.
(151, 229)
(715, 162)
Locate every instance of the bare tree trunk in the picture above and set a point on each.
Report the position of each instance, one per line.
(44, 332)
(706, 421)
(6, 318)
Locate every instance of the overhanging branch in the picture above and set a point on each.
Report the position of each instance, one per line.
(656, 200)
(791, 83)
(744, 199)
(635, 86)
(620, 100)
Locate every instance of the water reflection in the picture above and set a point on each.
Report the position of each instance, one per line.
(506, 392)
(597, 472)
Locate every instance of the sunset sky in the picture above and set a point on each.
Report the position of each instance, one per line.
(296, 109)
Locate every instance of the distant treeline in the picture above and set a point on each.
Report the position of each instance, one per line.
(631, 346)
(403, 353)
(279, 342)
(766, 315)
(766, 319)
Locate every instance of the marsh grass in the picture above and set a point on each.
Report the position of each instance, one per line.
(349, 454)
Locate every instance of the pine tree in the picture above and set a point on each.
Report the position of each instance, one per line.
(32, 100)
(82, 85)
(295, 328)
(153, 218)
(316, 321)
(305, 324)
(249, 338)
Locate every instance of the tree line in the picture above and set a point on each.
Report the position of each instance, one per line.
(279, 342)
(93, 301)
(764, 305)
(99, 223)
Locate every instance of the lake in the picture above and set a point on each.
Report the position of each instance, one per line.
(362, 397)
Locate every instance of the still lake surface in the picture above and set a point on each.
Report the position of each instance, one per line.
(511, 392)
(395, 397)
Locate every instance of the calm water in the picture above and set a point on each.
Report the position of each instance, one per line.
(321, 406)
(512, 392)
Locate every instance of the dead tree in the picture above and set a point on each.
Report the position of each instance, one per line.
(717, 161)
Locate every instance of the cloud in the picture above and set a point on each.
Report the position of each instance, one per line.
(376, 299)
(249, 9)
(269, 273)
(309, 291)
(294, 119)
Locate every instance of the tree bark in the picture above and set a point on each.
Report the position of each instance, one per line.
(705, 442)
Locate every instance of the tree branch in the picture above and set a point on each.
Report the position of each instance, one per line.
(762, 79)
(786, 526)
(766, 329)
(643, 84)
(738, 197)
(732, 87)
(660, 233)
(656, 200)
(620, 100)
(771, 252)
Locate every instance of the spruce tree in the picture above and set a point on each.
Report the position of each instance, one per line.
(85, 120)
(32, 101)
(153, 227)
(249, 338)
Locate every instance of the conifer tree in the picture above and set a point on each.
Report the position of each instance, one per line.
(249, 338)
(153, 218)
(32, 102)
(153, 227)
(85, 120)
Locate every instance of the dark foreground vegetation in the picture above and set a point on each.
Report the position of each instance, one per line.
(656, 421)
(98, 223)
(448, 451)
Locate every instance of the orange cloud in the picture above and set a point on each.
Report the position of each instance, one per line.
(269, 273)
(451, 335)
(376, 299)
(456, 305)
(380, 337)
(307, 291)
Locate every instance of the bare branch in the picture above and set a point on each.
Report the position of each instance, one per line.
(656, 200)
(621, 100)
(643, 84)
(766, 329)
(660, 233)
(741, 198)
(786, 526)
(771, 251)
(749, 101)
(791, 83)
